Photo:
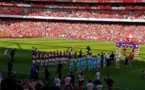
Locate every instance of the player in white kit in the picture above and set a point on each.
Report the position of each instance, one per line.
(5, 53)
(99, 86)
(117, 57)
(57, 82)
(67, 82)
(97, 77)
(90, 85)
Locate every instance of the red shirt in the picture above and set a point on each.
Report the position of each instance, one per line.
(133, 53)
(39, 56)
(124, 52)
(43, 57)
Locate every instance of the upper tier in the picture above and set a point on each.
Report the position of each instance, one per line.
(75, 6)
(92, 1)
(94, 14)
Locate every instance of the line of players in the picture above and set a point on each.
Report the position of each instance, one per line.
(93, 62)
(51, 58)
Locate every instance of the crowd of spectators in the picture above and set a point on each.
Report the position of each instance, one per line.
(14, 28)
(87, 14)
(70, 30)
(11, 11)
(66, 83)
(73, 13)
(132, 5)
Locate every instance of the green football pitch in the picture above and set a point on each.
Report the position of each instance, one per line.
(124, 78)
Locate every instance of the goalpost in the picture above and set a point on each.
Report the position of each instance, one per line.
(134, 46)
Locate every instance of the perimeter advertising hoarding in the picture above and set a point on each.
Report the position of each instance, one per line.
(127, 45)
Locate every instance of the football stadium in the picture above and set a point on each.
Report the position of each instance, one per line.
(72, 44)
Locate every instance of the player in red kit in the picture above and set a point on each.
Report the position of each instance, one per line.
(124, 52)
(38, 57)
(46, 59)
(50, 58)
(42, 59)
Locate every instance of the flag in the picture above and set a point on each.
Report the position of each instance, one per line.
(130, 35)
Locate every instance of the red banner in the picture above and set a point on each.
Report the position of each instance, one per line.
(143, 8)
(128, 8)
(132, 1)
(39, 6)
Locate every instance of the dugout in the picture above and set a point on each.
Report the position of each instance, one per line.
(134, 46)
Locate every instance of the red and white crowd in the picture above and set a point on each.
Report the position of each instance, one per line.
(88, 14)
(11, 11)
(73, 13)
(70, 30)
(61, 5)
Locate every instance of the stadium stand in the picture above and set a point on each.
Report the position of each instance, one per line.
(73, 13)
(88, 14)
(86, 31)
(69, 30)
(125, 6)
(12, 11)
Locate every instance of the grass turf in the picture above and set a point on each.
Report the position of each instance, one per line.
(124, 78)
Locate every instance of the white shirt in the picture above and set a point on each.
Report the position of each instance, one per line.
(98, 75)
(6, 52)
(99, 87)
(34, 57)
(117, 58)
(36, 50)
(81, 77)
(108, 56)
(89, 86)
(33, 49)
(67, 80)
(46, 56)
(57, 81)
